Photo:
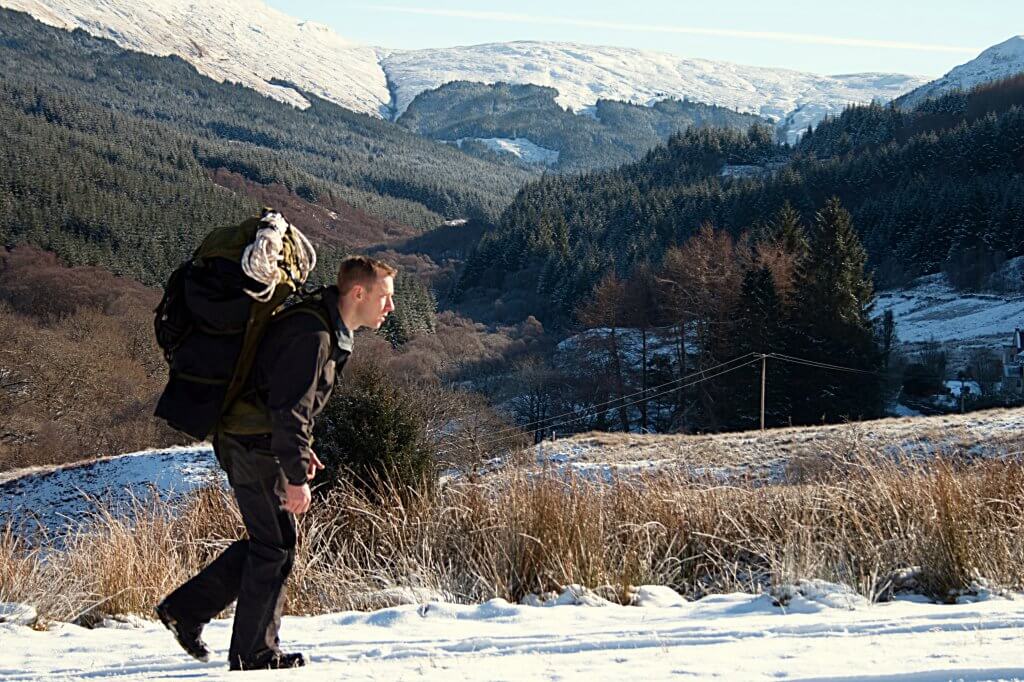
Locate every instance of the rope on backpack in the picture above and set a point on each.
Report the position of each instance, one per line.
(260, 259)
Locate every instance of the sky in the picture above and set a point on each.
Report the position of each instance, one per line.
(821, 36)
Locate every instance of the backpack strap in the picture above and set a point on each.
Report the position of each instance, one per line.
(309, 303)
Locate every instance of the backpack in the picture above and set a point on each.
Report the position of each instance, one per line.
(215, 309)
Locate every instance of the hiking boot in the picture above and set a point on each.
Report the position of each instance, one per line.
(188, 635)
(274, 660)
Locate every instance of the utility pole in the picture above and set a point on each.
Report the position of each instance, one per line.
(764, 373)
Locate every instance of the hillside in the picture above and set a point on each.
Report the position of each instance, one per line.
(996, 63)
(247, 42)
(914, 214)
(144, 141)
(60, 497)
(500, 119)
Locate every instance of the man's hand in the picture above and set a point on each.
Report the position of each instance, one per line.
(297, 498)
(315, 465)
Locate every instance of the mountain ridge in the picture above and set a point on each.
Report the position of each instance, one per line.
(223, 40)
(995, 63)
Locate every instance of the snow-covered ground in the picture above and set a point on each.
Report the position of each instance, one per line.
(521, 147)
(62, 497)
(829, 634)
(932, 310)
(962, 324)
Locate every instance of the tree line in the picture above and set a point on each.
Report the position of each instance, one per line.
(927, 191)
(796, 288)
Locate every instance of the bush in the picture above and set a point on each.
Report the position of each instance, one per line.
(372, 433)
(921, 380)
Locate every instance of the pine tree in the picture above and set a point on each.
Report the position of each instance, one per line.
(758, 329)
(832, 324)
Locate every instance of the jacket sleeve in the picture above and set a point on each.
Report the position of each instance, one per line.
(292, 390)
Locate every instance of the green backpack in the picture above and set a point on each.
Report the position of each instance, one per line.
(215, 310)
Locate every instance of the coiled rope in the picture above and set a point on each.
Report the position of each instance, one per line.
(262, 259)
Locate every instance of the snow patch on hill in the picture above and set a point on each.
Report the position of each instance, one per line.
(248, 42)
(997, 62)
(61, 498)
(932, 310)
(520, 147)
(584, 73)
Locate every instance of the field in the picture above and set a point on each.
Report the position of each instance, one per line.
(900, 533)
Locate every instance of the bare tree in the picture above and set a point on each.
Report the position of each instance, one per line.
(701, 283)
(605, 313)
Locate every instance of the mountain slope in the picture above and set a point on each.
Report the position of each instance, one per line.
(927, 193)
(137, 138)
(527, 121)
(584, 74)
(242, 41)
(247, 42)
(997, 62)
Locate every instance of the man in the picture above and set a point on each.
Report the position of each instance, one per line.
(264, 443)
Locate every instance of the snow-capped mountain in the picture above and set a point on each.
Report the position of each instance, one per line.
(997, 62)
(243, 41)
(583, 74)
(246, 41)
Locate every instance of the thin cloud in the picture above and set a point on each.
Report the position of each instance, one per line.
(797, 38)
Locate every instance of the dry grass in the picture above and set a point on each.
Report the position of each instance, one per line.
(859, 522)
(778, 455)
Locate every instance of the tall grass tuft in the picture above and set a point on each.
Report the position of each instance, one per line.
(861, 520)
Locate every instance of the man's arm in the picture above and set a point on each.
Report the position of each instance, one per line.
(292, 390)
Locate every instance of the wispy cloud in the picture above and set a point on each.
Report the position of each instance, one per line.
(797, 38)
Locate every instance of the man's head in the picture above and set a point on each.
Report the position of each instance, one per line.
(366, 288)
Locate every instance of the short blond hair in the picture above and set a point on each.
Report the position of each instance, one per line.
(361, 270)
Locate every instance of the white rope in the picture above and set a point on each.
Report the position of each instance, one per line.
(261, 259)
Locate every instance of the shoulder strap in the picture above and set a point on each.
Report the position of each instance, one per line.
(309, 303)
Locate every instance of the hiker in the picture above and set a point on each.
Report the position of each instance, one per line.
(263, 442)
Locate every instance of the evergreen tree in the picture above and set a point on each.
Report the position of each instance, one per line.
(832, 324)
(415, 311)
(759, 329)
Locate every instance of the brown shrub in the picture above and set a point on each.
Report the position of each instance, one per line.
(83, 366)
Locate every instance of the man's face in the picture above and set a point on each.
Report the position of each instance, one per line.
(373, 303)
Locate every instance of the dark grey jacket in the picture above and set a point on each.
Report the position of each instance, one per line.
(292, 377)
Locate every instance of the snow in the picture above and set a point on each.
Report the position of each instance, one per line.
(242, 41)
(248, 42)
(932, 310)
(585, 73)
(17, 614)
(520, 147)
(63, 497)
(997, 62)
(901, 410)
(820, 633)
(955, 386)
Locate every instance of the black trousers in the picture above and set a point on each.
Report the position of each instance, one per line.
(252, 571)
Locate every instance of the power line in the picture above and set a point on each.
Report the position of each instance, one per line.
(535, 424)
(822, 365)
(592, 411)
(636, 402)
